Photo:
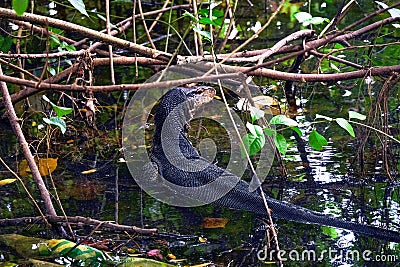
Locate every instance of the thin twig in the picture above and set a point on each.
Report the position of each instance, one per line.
(26, 190)
(25, 148)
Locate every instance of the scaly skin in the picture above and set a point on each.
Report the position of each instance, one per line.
(177, 116)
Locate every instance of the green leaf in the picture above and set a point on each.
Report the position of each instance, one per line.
(333, 66)
(318, 116)
(20, 6)
(280, 143)
(254, 129)
(330, 231)
(394, 12)
(356, 115)
(60, 123)
(317, 20)
(346, 125)
(269, 132)
(60, 111)
(205, 12)
(256, 113)
(80, 6)
(191, 16)
(282, 119)
(205, 34)
(207, 21)
(253, 143)
(316, 140)
(297, 130)
(5, 44)
(303, 16)
(52, 71)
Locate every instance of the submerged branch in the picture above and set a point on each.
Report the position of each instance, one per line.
(78, 221)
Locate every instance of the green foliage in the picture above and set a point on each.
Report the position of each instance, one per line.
(5, 43)
(316, 140)
(20, 6)
(306, 19)
(346, 125)
(280, 143)
(394, 12)
(80, 6)
(356, 115)
(256, 113)
(283, 120)
(330, 231)
(60, 123)
(254, 141)
(60, 112)
(207, 16)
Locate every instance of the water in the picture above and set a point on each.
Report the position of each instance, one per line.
(332, 181)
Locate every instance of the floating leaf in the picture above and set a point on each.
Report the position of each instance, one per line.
(316, 140)
(210, 223)
(202, 239)
(7, 181)
(20, 6)
(89, 171)
(282, 119)
(346, 125)
(60, 123)
(356, 115)
(280, 143)
(80, 6)
(45, 166)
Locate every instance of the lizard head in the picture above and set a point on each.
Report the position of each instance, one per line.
(185, 100)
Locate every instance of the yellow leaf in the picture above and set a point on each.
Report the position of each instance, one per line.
(171, 256)
(89, 171)
(201, 265)
(45, 166)
(7, 181)
(24, 168)
(202, 239)
(214, 222)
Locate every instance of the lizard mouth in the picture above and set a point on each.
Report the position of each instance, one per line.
(198, 96)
